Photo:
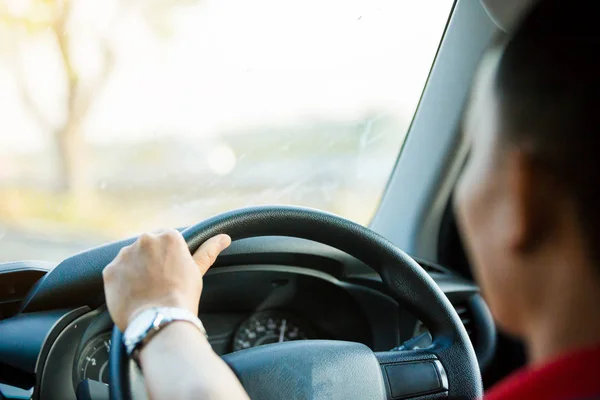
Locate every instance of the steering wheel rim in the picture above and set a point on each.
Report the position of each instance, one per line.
(409, 284)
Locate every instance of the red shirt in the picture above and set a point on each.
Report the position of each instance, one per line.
(574, 376)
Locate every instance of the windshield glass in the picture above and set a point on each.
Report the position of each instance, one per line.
(123, 116)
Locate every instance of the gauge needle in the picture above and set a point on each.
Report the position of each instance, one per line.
(282, 330)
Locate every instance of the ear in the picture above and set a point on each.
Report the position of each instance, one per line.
(528, 203)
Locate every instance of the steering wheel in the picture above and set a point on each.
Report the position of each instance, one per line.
(327, 369)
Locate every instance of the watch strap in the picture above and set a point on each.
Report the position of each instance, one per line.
(161, 317)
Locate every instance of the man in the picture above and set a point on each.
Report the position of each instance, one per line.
(527, 207)
(527, 200)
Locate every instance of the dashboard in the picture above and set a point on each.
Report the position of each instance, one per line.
(248, 306)
(250, 299)
(265, 327)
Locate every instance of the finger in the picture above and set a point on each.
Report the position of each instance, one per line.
(172, 236)
(121, 255)
(144, 241)
(206, 255)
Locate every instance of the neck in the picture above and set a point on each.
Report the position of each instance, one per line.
(569, 320)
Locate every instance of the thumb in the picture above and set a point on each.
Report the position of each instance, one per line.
(206, 255)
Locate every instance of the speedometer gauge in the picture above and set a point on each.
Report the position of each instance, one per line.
(93, 362)
(269, 327)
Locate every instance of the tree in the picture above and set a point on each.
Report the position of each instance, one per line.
(42, 17)
(51, 18)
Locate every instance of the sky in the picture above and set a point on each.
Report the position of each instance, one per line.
(229, 64)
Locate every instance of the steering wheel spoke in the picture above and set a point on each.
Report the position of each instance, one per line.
(413, 374)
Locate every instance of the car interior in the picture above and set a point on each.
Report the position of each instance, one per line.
(389, 310)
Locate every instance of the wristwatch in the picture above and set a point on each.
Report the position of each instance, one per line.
(151, 321)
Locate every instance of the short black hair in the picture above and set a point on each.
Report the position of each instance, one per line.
(547, 85)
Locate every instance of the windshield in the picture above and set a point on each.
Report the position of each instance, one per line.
(126, 116)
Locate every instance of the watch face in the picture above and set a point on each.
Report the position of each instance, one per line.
(140, 324)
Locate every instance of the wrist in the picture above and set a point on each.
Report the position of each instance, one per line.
(167, 302)
(170, 338)
(150, 324)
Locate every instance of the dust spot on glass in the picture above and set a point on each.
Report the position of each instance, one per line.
(366, 137)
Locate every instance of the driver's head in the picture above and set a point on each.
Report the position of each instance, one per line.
(527, 202)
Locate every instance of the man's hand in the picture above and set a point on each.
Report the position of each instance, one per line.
(158, 271)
